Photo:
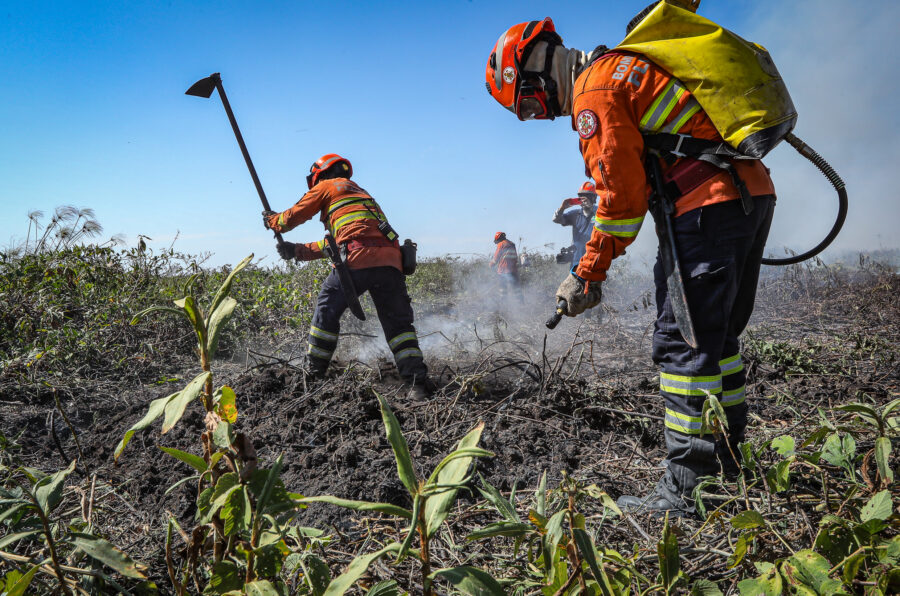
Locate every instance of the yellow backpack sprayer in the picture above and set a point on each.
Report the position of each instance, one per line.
(738, 86)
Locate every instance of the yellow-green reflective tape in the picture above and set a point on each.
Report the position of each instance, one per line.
(682, 385)
(322, 334)
(623, 228)
(409, 335)
(662, 106)
(319, 352)
(344, 220)
(351, 201)
(652, 110)
(733, 397)
(731, 365)
(690, 108)
(689, 425)
(407, 353)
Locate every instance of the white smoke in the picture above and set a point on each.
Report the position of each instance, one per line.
(840, 61)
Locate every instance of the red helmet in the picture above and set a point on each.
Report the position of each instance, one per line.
(499, 236)
(528, 94)
(325, 162)
(588, 188)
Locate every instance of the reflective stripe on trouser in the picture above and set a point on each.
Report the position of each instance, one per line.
(720, 256)
(321, 344)
(405, 345)
(387, 287)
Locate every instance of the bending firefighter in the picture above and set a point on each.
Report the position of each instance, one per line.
(356, 222)
(581, 220)
(720, 218)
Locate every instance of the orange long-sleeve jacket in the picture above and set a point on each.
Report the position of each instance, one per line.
(505, 258)
(617, 97)
(351, 215)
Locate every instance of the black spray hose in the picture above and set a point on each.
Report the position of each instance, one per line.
(818, 161)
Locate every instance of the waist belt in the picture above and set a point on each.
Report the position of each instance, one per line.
(354, 245)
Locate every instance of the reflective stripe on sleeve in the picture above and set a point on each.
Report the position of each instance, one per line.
(682, 385)
(408, 336)
(731, 365)
(689, 425)
(408, 353)
(322, 334)
(622, 228)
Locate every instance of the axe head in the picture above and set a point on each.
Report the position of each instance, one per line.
(204, 87)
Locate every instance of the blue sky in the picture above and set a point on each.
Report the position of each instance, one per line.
(93, 113)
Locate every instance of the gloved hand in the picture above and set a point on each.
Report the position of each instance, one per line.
(287, 250)
(572, 290)
(267, 215)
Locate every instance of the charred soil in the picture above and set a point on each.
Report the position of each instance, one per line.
(583, 403)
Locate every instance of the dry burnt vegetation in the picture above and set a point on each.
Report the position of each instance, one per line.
(272, 484)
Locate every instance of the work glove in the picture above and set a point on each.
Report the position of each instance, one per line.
(577, 298)
(287, 250)
(267, 217)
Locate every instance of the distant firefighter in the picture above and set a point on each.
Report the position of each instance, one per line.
(506, 261)
(581, 220)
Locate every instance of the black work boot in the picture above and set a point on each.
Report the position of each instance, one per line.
(664, 497)
(315, 370)
(421, 388)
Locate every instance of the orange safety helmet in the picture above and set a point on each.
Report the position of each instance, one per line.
(499, 237)
(325, 162)
(588, 189)
(528, 94)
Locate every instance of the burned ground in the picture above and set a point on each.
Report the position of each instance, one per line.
(580, 402)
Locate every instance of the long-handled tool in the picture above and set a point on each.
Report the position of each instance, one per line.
(662, 208)
(204, 88)
(332, 251)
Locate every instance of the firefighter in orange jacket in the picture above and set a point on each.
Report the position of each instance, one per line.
(505, 262)
(353, 217)
(613, 99)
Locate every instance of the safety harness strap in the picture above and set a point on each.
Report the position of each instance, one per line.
(712, 152)
(688, 146)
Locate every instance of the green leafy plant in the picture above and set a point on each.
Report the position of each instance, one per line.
(431, 498)
(562, 555)
(885, 426)
(238, 505)
(29, 512)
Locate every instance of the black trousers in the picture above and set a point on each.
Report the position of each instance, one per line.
(387, 287)
(720, 248)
